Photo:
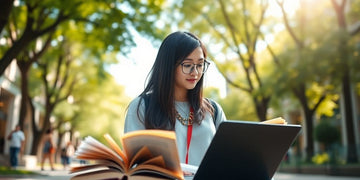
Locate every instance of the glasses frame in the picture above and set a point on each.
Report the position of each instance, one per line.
(194, 66)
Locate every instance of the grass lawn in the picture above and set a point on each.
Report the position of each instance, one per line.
(7, 171)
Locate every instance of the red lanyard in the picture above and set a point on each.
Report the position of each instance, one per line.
(189, 134)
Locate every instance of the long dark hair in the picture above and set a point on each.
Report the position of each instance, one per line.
(160, 109)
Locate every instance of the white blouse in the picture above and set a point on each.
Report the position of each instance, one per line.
(201, 134)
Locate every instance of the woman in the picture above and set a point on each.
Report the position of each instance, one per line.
(48, 149)
(173, 98)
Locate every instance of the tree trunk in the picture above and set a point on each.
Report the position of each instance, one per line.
(37, 135)
(58, 144)
(346, 94)
(37, 132)
(300, 94)
(5, 9)
(34, 126)
(261, 108)
(339, 8)
(349, 120)
(24, 69)
(14, 50)
(309, 148)
(24, 102)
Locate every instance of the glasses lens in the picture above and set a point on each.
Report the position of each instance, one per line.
(187, 68)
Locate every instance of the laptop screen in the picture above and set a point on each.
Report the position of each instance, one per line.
(246, 150)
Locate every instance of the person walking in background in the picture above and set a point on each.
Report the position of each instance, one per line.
(66, 154)
(48, 149)
(17, 141)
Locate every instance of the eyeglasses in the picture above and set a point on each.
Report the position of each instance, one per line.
(188, 68)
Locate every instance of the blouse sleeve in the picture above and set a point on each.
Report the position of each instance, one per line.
(133, 121)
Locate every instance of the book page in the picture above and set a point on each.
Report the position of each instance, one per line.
(112, 174)
(93, 167)
(156, 166)
(159, 142)
(117, 149)
(156, 161)
(141, 156)
(151, 170)
(277, 120)
(100, 174)
(91, 149)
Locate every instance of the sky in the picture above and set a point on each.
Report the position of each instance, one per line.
(131, 71)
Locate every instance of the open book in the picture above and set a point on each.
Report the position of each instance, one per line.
(278, 120)
(146, 154)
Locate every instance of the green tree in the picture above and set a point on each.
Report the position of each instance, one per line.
(98, 107)
(33, 19)
(102, 26)
(36, 19)
(343, 62)
(237, 105)
(326, 133)
(24, 62)
(314, 67)
(57, 86)
(300, 72)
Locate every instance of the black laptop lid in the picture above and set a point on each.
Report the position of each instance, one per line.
(246, 150)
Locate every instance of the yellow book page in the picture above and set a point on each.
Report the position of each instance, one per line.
(83, 168)
(116, 148)
(141, 156)
(151, 169)
(158, 133)
(108, 174)
(91, 149)
(159, 142)
(98, 154)
(99, 174)
(113, 174)
(156, 161)
(104, 164)
(144, 157)
(277, 120)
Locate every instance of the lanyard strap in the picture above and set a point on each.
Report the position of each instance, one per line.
(189, 134)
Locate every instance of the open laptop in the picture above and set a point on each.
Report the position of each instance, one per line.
(246, 150)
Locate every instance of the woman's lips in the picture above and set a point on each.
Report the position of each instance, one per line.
(191, 80)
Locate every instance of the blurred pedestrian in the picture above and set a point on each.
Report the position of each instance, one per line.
(49, 149)
(66, 154)
(17, 141)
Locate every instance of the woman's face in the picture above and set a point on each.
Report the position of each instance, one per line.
(187, 81)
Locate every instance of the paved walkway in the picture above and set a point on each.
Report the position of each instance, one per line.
(46, 174)
(64, 174)
(285, 176)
